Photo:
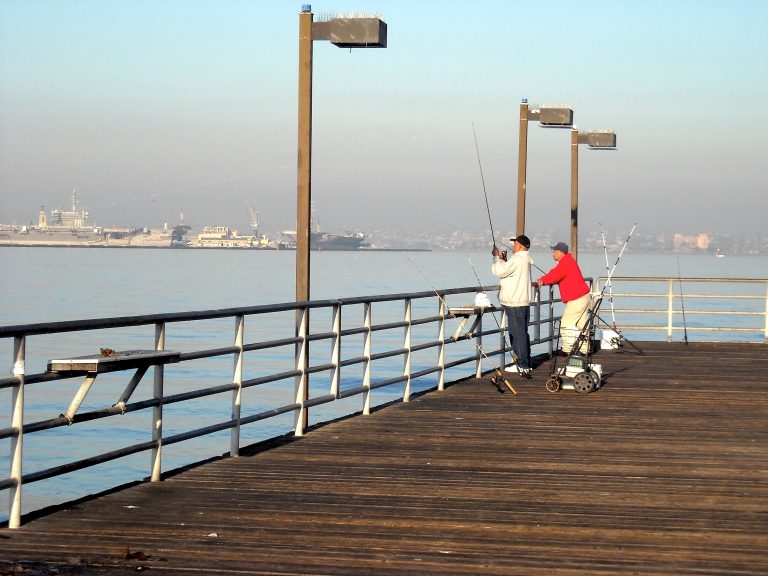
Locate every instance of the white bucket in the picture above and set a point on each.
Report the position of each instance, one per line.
(610, 340)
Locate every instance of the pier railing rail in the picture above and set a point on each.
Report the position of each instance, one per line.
(697, 307)
(411, 334)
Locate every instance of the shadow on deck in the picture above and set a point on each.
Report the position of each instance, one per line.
(662, 471)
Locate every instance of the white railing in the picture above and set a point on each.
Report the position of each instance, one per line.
(270, 346)
(691, 306)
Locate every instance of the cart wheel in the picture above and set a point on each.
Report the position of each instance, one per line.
(583, 382)
(553, 384)
(596, 378)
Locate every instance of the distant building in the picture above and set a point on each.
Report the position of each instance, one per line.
(687, 243)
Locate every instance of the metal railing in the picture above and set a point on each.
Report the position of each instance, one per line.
(283, 334)
(738, 305)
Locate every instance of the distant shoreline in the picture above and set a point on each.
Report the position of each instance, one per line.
(634, 250)
(208, 248)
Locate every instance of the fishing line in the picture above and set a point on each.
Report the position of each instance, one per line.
(499, 375)
(539, 269)
(532, 263)
(479, 283)
(482, 179)
(682, 303)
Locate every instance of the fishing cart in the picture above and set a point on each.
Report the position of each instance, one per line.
(579, 373)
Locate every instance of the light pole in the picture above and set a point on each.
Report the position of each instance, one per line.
(352, 32)
(596, 140)
(548, 116)
(348, 32)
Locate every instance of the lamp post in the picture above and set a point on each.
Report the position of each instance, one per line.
(550, 117)
(352, 32)
(596, 140)
(347, 32)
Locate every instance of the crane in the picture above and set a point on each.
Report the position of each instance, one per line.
(254, 219)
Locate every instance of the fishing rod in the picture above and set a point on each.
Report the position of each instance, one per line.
(479, 282)
(495, 380)
(682, 303)
(532, 263)
(539, 269)
(482, 179)
(610, 286)
(610, 274)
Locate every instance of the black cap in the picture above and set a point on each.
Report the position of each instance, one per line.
(523, 239)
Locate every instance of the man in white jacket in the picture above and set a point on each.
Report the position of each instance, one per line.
(515, 298)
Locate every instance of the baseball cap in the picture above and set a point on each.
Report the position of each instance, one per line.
(562, 246)
(523, 239)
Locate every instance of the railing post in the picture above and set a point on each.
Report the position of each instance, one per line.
(766, 313)
(157, 410)
(367, 361)
(237, 380)
(407, 346)
(479, 347)
(301, 382)
(17, 423)
(537, 313)
(670, 308)
(551, 320)
(441, 346)
(336, 351)
(502, 340)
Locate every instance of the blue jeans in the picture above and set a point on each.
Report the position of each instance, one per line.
(517, 326)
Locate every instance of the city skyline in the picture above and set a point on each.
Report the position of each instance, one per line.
(152, 109)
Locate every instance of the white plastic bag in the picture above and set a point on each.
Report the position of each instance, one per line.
(481, 299)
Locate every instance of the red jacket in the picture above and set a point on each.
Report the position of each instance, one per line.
(568, 278)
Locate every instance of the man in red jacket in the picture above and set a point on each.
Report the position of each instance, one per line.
(574, 292)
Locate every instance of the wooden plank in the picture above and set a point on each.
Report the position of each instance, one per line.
(112, 361)
(662, 471)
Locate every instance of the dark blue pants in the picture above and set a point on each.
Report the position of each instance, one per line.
(517, 326)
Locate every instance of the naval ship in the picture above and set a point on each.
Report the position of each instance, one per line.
(71, 228)
(326, 240)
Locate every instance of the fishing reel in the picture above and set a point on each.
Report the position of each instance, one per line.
(502, 254)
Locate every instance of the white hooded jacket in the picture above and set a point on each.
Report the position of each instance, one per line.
(515, 279)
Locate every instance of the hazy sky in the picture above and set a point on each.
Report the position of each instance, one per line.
(153, 107)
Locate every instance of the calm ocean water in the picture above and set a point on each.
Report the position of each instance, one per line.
(53, 284)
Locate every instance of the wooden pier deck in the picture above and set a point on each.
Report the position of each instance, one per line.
(662, 471)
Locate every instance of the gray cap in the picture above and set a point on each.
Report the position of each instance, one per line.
(562, 246)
